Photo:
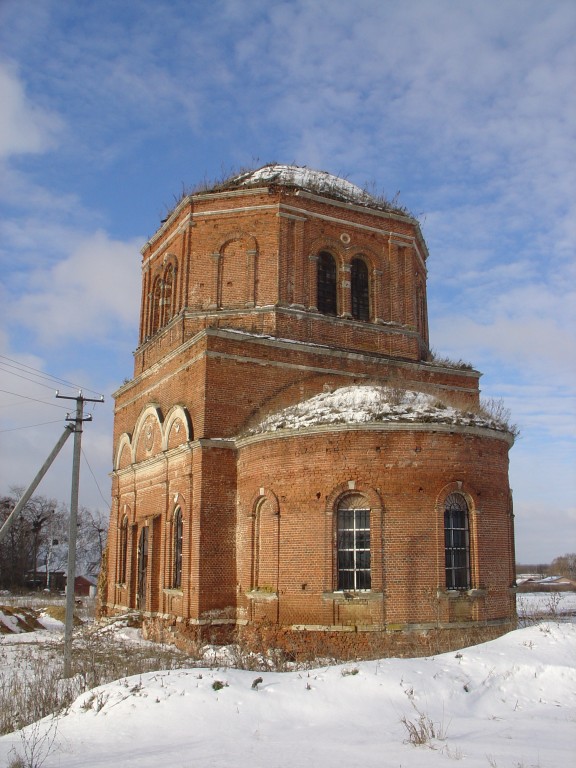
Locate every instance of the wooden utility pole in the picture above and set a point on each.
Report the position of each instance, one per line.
(78, 419)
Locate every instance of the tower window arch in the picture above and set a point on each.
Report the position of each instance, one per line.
(326, 284)
(162, 298)
(156, 308)
(420, 307)
(353, 559)
(360, 290)
(457, 542)
(167, 301)
(177, 549)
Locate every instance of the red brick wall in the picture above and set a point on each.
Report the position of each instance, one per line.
(405, 477)
(259, 513)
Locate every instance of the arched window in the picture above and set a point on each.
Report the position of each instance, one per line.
(177, 549)
(353, 545)
(167, 310)
(156, 306)
(360, 292)
(142, 568)
(123, 551)
(420, 308)
(326, 284)
(457, 542)
(265, 550)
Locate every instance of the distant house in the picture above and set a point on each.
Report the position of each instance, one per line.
(55, 581)
(85, 586)
(546, 584)
(523, 577)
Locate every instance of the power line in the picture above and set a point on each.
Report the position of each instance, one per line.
(35, 399)
(29, 426)
(26, 378)
(37, 371)
(106, 502)
(41, 374)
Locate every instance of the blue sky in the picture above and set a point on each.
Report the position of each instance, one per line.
(466, 109)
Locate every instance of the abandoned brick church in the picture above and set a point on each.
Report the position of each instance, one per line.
(292, 467)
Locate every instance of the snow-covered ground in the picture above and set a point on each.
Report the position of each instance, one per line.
(510, 703)
(546, 605)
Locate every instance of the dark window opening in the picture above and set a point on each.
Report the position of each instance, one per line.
(177, 574)
(353, 553)
(123, 551)
(360, 291)
(420, 308)
(168, 291)
(142, 568)
(457, 542)
(327, 303)
(156, 306)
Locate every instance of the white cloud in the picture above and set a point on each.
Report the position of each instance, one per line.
(19, 189)
(93, 290)
(546, 410)
(531, 344)
(543, 530)
(24, 127)
(32, 419)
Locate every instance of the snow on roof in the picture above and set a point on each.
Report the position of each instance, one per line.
(362, 404)
(317, 182)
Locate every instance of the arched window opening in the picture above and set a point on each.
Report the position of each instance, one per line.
(326, 284)
(123, 551)
(265, 532)
(457, 542)
(142, 568)
(353, 545)
(167, 310)
(156, 306)
(420, 308)
(177, 547)
(360, 290)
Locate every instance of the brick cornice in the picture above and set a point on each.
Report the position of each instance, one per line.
(376, 426)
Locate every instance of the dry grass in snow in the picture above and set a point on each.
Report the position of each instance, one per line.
(510, 703)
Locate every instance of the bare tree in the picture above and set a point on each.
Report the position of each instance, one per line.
(21, 550)
(37, 544)
(92, 530)
(565, 565)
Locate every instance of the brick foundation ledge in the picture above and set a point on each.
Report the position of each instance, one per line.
(303, 643)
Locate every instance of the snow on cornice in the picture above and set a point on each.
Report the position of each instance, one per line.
(316, 182)
(305, 178)
(362, 404)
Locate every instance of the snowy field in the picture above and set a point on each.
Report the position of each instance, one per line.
(510, 703)
(546, 605)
